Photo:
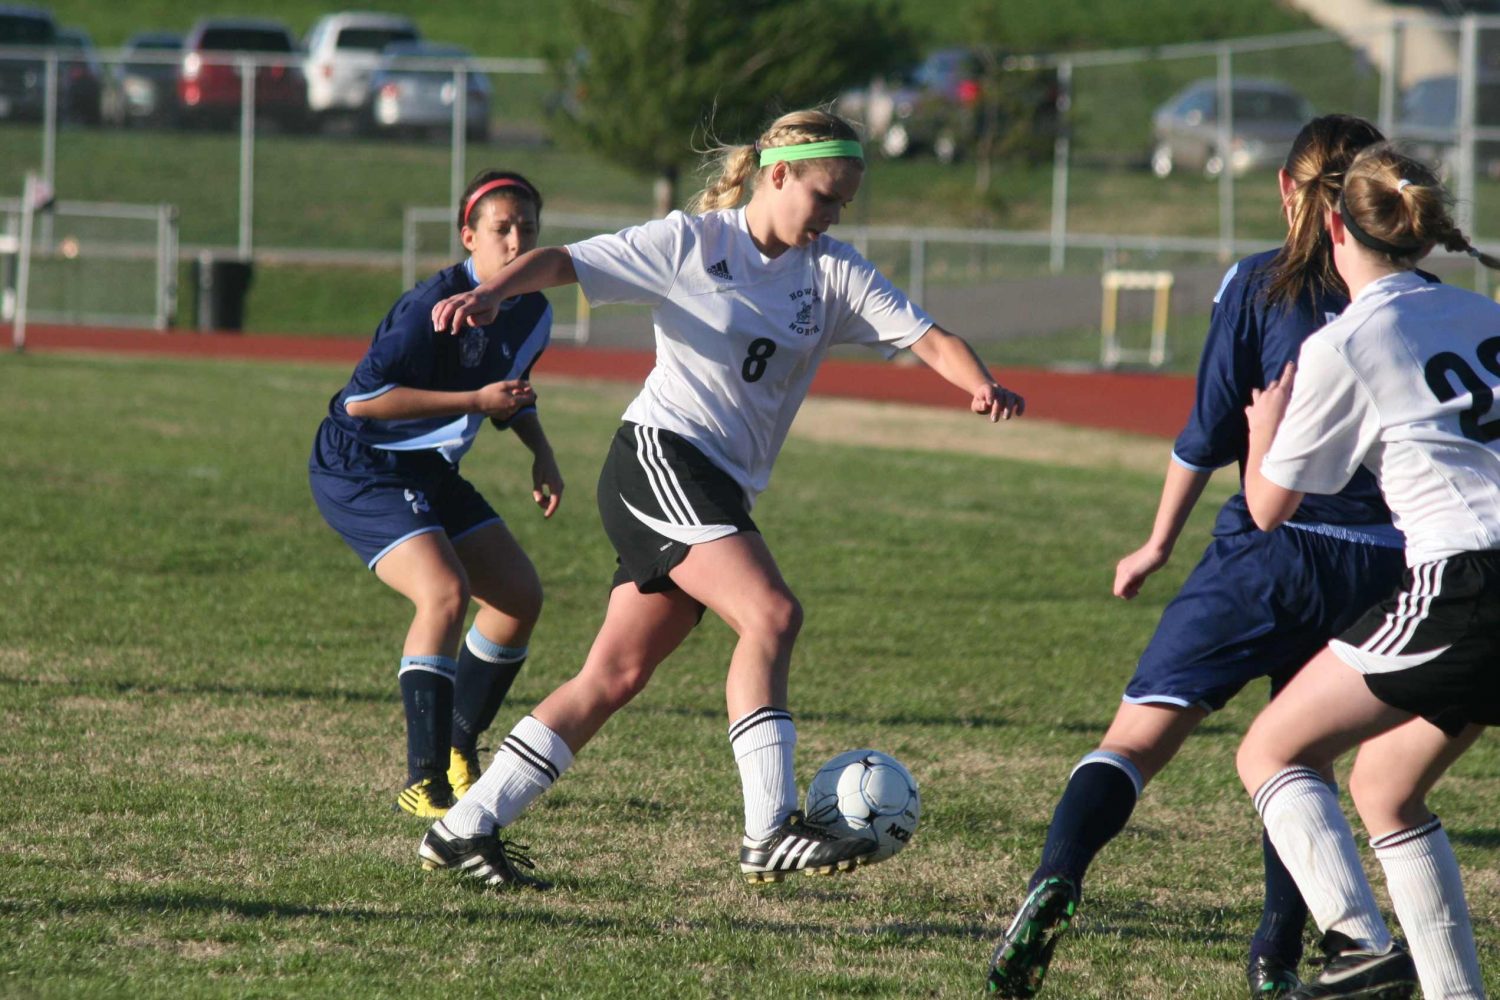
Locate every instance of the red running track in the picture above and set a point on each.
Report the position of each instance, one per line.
(1140, 403)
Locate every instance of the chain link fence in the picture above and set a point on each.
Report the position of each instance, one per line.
(1159, 159)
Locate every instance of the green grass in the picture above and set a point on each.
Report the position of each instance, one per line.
(203, 736)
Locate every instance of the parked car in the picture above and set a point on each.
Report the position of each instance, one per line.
(80, 77)
(414, 91)
(208, 85)
(1266, 116)
(343, 50)
(23, 76)
(142, 87)
(1427, 125)
(939, 106)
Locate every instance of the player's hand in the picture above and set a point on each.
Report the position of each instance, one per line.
(458, 312)
(997, 402)
(501, 400)
(1132, 571)
(546, 483)
(1268, 405)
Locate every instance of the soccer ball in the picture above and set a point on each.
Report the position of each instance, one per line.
(866, 793)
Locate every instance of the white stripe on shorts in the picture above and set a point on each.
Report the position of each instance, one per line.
(1412, 609)
(664, 485)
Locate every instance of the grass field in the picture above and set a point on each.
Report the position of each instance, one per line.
(203, 736)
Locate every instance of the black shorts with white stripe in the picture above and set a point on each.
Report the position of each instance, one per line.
(1433, 647)
(658, 497)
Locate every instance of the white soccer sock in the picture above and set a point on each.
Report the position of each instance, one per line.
(1315, 843)
(1428, 894)
(763, 742)
(527, 763)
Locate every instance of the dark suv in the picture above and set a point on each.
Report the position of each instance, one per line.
(208, 83)
(23, 70)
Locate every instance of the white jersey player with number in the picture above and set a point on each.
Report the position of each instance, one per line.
(738, 334)
(745, 302)
(1402, 383)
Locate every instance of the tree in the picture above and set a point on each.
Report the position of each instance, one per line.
(657, 78)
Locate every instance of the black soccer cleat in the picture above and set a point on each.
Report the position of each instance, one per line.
(488, 858)
(1021, 958)
(1270, 978)
(1353, 972)
(798, 845)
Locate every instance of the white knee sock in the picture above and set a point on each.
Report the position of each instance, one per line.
(763, 742)
(1315, 843)
(527, 763)
(1428, 894)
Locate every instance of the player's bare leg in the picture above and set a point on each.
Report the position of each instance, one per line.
(737, 578)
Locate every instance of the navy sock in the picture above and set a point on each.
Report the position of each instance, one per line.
(1094, 808)
(1279, 935)
(486, 671)
(427, 693)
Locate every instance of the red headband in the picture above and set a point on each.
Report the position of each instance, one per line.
(485, 189)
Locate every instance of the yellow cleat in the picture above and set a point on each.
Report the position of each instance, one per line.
(429, 798)
(463, 771)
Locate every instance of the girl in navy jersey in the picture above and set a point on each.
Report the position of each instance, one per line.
(746, 302)
(1256, 605)
(384, 473)
(1400, 385)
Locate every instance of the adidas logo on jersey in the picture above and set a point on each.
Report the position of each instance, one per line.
(720, 271)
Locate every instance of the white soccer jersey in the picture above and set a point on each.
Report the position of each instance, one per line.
(739, 335)
(1403, 382)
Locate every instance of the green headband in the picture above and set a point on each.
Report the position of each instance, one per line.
(812, 151)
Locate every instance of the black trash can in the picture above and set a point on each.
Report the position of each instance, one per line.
(220, 285)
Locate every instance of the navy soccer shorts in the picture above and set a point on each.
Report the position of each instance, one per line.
(658, 497)
(376, 513)
(1258, 604)
(1432, 648)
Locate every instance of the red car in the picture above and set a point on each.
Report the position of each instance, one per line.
(208, 81)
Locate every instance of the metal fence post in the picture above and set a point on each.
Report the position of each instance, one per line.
(247, 156)
(1061, 152)
(460, 137)
(1224, 140)
(1391, 75)
(916, 282)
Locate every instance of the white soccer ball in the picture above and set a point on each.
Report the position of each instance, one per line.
(866, 793)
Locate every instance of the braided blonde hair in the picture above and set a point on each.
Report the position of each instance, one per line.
(738, 165)
(1399, 200)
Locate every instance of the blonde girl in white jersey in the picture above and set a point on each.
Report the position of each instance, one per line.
(745, 303)
(1402, 383)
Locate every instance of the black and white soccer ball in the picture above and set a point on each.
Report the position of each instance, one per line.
(866, 793)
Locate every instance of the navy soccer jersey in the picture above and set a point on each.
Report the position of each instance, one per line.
(1249, 342)
(379, 482)
(1261, 604)
(406, 351)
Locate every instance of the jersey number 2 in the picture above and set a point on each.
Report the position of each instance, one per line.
(761, 349)
(1440, 365)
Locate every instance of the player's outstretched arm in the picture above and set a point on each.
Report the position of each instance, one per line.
(498, 399)
(1179, 494)
(544, 267)
(546, 477)
(951, 357)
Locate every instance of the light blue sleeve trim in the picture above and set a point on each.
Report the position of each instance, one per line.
(1195, 468)
(361, 397)
(535, 342)
(446, 436)
(1228, 276)
(410, 534)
